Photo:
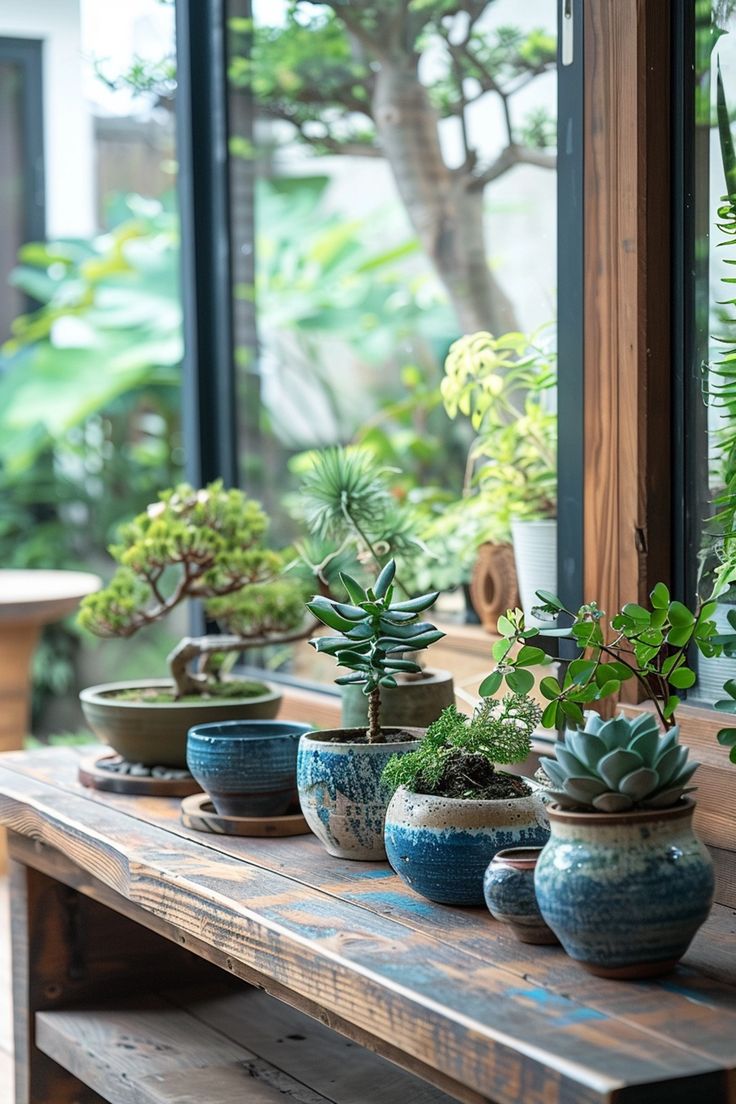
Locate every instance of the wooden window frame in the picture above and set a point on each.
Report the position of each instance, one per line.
(631, 230)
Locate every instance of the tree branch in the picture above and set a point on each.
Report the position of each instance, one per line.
(510, 156)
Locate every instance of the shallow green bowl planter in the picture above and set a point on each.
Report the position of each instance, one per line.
(155, 733)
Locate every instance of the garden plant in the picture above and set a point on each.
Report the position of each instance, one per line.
(208, 545)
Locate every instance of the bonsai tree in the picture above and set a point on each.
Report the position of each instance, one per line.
(458, 755)
(199, 544)
(374, 632)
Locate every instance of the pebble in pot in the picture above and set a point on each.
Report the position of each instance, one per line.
(509, 891)
(247, 767)
(453, 810)
(339, 772)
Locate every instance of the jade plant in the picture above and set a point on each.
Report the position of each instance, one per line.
(199, 544)
(617, 765)
(458, 755)
(374, 633)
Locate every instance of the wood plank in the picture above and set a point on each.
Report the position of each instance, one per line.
(683, 1013)
(493, 1031)
(304, 1049)
(252, 1049)
(627, 299)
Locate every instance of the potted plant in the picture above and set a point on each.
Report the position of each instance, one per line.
(190, 544)
(452, 809)
(623, 882)
(505, 386)
(346, 503)
(339, 771)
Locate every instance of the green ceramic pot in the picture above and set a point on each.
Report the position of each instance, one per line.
(414, 703)
(155, 733)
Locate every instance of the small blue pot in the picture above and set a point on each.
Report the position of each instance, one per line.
(247, 767)
(509, 891)
(441, 846)
(625, 892)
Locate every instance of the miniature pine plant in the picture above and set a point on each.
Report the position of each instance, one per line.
(205, 544)
(459, 754)
(374, 633)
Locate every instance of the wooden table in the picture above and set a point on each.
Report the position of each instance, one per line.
(144, 956)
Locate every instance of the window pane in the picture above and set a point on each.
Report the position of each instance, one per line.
(712, 399)
(393, 187)
(89, 382)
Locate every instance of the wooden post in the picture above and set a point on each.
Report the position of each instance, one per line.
(627, 294)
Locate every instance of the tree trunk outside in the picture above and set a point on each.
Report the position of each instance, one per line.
(446, 215)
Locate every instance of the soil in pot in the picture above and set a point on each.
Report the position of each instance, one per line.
(341, 792)
(218, 691)
(471, 775)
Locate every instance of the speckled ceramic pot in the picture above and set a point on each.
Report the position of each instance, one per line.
(340, 789)
(441, 846)
(247, 767)
(508, 886)
(625, 893)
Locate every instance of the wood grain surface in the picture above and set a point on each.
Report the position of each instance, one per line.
(448, 990)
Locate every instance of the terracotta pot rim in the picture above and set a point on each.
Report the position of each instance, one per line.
(518, 858)
(100, 695)
(467, 801)
(679, 811)
(314, 737)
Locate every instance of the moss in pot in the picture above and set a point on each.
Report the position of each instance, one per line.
(208, 545)
(339, 772)
(453, 809)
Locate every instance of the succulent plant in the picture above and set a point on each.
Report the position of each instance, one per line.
(621, 764)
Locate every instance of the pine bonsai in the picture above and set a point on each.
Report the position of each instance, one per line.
(374, 633)
(208, 545)
(459, 755)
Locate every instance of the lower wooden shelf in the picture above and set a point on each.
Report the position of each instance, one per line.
(219, 1047)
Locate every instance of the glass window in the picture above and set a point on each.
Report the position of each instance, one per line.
(709, 443)
(89, 376)
(393, 187)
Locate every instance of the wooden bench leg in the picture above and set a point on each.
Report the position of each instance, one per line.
(44, 968)
(69, 948)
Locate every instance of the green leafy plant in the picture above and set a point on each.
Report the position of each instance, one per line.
(617, 765)
(458, 755)
(504, 386)
(651, 646)
(204, 544)
(374, 633)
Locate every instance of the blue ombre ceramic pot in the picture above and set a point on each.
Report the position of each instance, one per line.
(441, 846)
(508, 887)
(247, 767)
(340, 790)
(625, 893)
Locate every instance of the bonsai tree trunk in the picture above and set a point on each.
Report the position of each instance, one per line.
(374, 716)
(444, 206)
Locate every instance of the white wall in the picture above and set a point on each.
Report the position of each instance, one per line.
(68, 140)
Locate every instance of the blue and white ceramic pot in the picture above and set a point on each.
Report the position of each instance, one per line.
(625, 893)
(340, 790)
(247, 767)
(441, 846)
(508, 886)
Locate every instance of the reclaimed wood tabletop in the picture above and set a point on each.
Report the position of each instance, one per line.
(447, 993)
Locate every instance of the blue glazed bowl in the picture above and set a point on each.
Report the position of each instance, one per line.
(441, 846)
(247, 767)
